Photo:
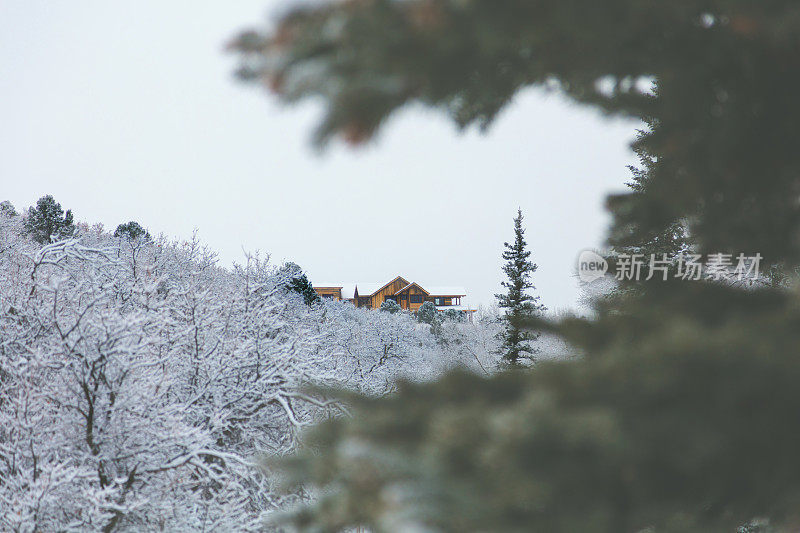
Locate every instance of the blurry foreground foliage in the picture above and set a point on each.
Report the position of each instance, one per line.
(683, 425)
(683, 414)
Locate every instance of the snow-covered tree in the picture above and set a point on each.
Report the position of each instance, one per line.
(47, 222)
(427, 313)
(139, 380)
(132, 231)
(297, 281)
(7, 209)
(390, 306)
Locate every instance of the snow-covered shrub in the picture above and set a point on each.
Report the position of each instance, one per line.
(390, 306)
(427, 313)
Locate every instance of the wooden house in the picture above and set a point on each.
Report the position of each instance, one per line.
(408, 294)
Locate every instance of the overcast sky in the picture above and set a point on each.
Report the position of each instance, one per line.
(128, 111)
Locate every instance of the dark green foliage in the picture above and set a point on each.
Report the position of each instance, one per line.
(682, 414)
(297, 281)
(132, 231)
(658, 244)
(517, 302)
(302, 286)
(726, 110)
(663, 425)
(453, 316)
(670, 240)
(390, 306)
(46, 222)
(427, 313)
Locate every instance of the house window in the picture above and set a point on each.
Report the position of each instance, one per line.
(417, 298)
(439, 301)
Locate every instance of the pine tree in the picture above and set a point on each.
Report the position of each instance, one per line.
(297, 281)
(7, 209)
(132, 231)
(670, 240)
(47, 222)
(518, 303)
(665, 243)
(427, 313)
(680, 416)
(302, 286)
(390, 306)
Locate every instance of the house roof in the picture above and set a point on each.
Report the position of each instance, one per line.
(370, 288)
(348, 289)
(411, 285)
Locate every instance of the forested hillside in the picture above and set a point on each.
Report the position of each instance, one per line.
(140, 381)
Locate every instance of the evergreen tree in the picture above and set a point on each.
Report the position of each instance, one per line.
(665, 243)
(132, 231)
(365, 60)
(390, 306)
(297, 281)
(47, 222)
(7, 209)
(681, 415)
(427, 313)
(669, 241)
(517, 302)
(302, 286)
(453, 316)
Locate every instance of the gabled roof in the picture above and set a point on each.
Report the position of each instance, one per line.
(412, 285)
(368, 289)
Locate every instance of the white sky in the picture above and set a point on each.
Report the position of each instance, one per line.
(129, 111)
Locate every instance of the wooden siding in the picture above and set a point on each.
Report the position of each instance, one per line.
(388, 290)
(392, 290)
(329, 292)
(414, 307)
(404, 298)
